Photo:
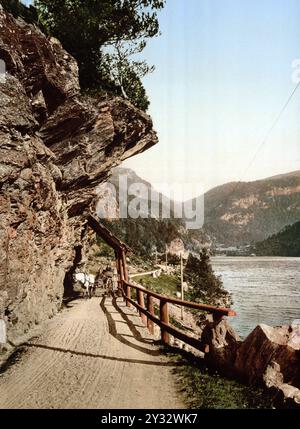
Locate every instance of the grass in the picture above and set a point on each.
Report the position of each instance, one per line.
(164, 285)
(206, 389)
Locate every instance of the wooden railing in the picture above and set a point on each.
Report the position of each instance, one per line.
(147, 312)
(149, 318)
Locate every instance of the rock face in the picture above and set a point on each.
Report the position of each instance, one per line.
(220, 343)
(272, 355)
(56, 146)
(176, 247)
(268, 356)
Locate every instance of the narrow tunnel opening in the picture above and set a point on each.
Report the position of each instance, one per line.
(69, 277)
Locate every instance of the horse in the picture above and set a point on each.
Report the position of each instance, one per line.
(88, 282)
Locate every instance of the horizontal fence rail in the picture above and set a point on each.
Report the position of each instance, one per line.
(147, 312)
(149, 318)
(203, 307)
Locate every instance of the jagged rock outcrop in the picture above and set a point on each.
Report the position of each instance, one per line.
(56, 146)
(272, 355)
(268, 356)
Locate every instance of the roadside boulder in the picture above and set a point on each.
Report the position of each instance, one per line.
(272, 356)
(220, 343)
(265, 345)
(284, 394)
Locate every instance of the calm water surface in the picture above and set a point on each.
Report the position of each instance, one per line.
(264, 290)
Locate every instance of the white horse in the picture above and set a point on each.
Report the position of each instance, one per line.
(87, 281)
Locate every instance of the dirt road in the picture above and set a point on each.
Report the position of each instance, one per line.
(95, 354)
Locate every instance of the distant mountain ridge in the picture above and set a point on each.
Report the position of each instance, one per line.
(236, 213)
(285, 243)
(155, 199)
(144, 234)
(245, 212)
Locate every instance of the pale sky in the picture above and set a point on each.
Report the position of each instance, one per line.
(223, 73)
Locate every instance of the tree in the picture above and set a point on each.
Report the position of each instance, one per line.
(207, 287)
(173, 259)
(87, 27)
(16, 8)
(126, 74)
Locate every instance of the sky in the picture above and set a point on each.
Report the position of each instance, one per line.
(223, 73)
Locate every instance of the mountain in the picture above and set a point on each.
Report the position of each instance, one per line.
(152, 201)
(246, 212)
(285, 243)
(236, 213)
(150, 230)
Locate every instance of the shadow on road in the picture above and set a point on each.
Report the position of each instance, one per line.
(92, 355)
(112, 326)
(135, 333)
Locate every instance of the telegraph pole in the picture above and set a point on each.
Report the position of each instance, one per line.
(181, 279)
(166, 255)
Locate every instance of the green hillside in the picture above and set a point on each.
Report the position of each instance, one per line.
(285, 243)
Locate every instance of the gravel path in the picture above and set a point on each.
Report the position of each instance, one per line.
(95, 354)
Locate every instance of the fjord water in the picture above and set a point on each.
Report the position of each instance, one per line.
(264, 290)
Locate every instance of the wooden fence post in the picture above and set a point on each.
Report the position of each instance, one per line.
(128, 294)
(121, 273)
(164, 317)
(150, 309)
(141, 302)
(125, 271)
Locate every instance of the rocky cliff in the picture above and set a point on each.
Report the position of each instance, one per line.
(247, 212)
(56, 146)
